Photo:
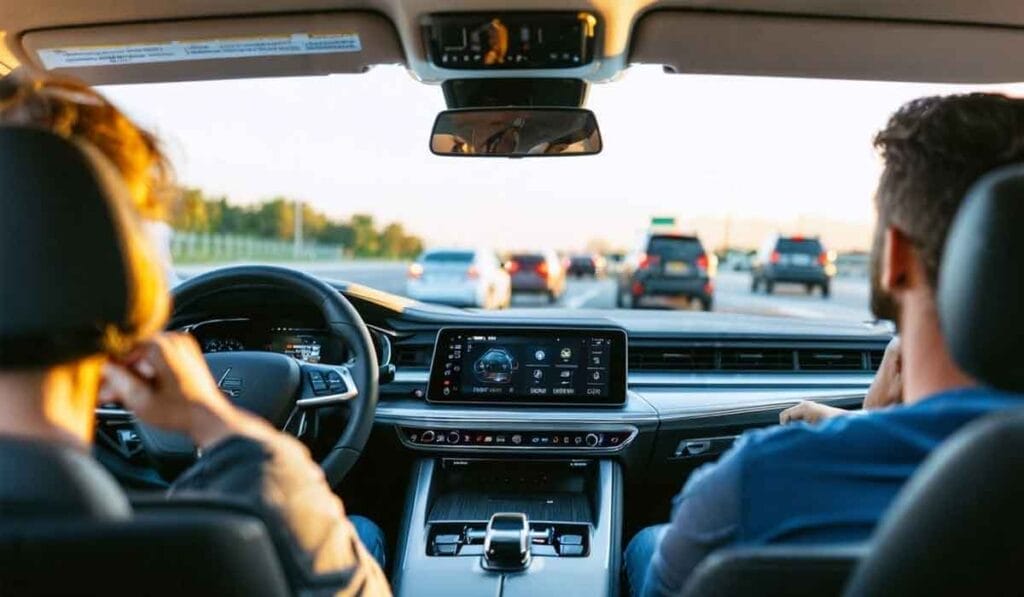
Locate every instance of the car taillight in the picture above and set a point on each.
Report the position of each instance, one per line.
(702, 262)
(415, 271)
(775, 257)
(823, 258)
(542, 269)
(472, 273)
(512, 267)
(647, 261)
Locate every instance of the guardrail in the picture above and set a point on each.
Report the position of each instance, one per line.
(191, 247)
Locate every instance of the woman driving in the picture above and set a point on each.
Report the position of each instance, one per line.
(58, 359)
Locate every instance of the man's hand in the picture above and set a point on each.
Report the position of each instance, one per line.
(166, 383)
(887, 387)
(886, 390)
(811, 412)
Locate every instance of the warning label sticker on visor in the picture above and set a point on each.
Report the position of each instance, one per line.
(206, 49)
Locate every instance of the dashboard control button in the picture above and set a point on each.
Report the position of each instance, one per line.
(454, 437)
(570, 550)
(517, 439)
(564, 539)
(427, 436)
(592, 440)
(317, 381)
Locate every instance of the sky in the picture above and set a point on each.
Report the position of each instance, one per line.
(733, 158)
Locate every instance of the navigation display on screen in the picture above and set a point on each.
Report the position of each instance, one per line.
(529, 366)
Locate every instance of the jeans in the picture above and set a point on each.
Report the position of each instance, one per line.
(373, 539)
(639, 554)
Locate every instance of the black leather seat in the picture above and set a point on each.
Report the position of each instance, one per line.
(66, 528)
(957, 528)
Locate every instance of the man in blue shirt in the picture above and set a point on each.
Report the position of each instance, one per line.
(832, 481)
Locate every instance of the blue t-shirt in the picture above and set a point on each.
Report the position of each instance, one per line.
(802, 483)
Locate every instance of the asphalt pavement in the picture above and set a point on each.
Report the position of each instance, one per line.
(849, 299)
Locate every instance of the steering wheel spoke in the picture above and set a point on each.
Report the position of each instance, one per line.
(325, 385)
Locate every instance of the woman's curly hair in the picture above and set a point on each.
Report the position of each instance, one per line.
(72, 109)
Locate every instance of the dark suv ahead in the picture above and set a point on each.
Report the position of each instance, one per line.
(794, 260)
(536, 273)
(667, 265)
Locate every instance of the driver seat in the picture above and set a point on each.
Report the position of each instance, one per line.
(957, 528)
(66, 527)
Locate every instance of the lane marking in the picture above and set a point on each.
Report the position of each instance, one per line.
(581, 299)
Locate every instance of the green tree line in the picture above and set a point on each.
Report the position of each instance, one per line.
(193, 211)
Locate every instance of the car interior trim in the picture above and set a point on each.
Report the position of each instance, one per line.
(581, 451)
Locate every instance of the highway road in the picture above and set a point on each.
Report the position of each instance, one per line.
(849, 300)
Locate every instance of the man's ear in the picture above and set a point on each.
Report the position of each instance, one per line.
(897, 260)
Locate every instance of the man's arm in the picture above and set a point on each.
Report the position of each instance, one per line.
(886, 390)
(706, 516)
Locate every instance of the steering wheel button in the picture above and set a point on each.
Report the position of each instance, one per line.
(317, 381)
(334, 381)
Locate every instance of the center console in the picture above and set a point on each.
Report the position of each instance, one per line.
(533, 527)
(519, 492)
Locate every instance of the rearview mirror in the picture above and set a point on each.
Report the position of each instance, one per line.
(515, 132)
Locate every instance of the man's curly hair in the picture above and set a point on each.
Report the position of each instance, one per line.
(934, 149)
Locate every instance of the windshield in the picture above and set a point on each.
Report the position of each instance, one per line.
(670, 247)
(334, 175)
(447, 257)
(805, 247)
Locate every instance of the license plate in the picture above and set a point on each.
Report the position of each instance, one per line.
(676, 267)
(800, 259)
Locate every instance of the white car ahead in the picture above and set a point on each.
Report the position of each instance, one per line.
(461, 278)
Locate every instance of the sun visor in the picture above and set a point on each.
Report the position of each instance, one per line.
(218, 48)
(825, 47)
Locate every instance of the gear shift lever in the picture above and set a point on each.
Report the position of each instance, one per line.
(507, 542)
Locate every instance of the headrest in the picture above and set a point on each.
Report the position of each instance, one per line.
(64, 277)
(981, 281)
(47, 480)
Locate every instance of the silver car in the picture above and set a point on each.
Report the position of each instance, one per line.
(460, 278)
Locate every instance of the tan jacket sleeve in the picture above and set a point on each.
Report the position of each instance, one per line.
(275, 474)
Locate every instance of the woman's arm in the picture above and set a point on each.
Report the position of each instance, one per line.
(166, 383)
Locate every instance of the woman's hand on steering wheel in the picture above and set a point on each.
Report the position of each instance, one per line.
(166, 383)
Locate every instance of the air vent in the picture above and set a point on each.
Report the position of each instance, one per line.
(752, 358)
(672, 359)
(830, 360)
(413, 356)
(757, 359)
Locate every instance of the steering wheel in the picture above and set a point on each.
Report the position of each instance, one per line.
(278, 387)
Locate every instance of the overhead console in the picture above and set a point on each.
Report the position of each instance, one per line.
(535, 366)
(510, 40)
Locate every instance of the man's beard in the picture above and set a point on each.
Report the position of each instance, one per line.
(882, 303)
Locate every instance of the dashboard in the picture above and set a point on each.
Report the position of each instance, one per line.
(671, 388)
(307, 344)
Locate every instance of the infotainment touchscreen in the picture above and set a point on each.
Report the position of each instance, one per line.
(529, 366)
